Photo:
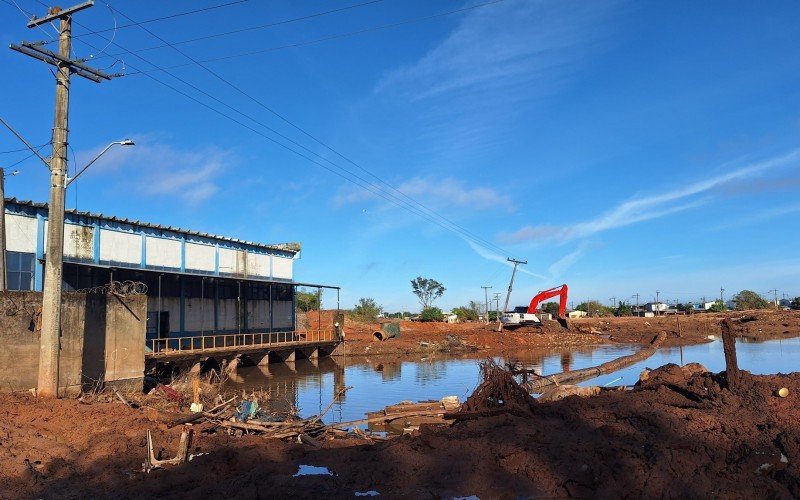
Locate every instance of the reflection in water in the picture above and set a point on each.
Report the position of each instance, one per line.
(376, 383)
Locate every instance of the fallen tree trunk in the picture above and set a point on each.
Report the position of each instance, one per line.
(587, 373)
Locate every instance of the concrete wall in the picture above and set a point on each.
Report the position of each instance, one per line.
(102, 340)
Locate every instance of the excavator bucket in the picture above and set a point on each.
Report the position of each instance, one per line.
(563, 322)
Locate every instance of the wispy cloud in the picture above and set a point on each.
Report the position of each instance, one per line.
(559, 267)
(465, 91)
(649, 207)
(433, 193)
(502, 45)
(156, 168)
(489, 255)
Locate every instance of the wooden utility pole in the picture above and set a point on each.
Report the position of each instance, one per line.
(510, 286)
(51, 303)
(486, 298)
(3, 261)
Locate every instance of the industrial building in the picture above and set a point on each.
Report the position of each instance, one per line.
(197, 283)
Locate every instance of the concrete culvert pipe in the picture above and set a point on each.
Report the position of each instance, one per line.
(388, 331)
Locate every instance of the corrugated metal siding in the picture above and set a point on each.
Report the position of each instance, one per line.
(257, 265)
(78, 242)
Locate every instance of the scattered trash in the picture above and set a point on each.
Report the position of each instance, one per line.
(312, 470)
(247, 410)
(782, 392)
(180, 457)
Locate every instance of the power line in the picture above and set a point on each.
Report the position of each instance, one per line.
(162, 18)
(368, 187)
(323, 39)
(22, 149)
(383, 191)
(259, 27)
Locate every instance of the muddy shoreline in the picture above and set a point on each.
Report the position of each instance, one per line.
(676, 434)
(429, 338)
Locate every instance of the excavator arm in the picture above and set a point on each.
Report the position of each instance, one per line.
(549, 294)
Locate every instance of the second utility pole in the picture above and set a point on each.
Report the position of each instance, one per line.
(510, 286)
(486, 298)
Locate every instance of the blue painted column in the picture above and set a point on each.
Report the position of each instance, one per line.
(96, 242)
(216, 259)
(143, 264)
(183, 255)
(38, 269)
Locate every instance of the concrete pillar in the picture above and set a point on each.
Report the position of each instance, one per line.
(313, 354)
(264, 361)
(290, 356)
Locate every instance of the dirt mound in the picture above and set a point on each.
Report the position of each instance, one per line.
(679, 433)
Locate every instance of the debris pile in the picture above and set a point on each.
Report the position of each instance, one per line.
(498, 393)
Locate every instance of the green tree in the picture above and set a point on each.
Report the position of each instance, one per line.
(594, 308)
(431, 314)
(687, 307)
(308, 301)
(718, 306)
(795, 303)
(427, 290)
(468, 312)
(550, 307)
(366, 310)
(623, 309)
(748, 299)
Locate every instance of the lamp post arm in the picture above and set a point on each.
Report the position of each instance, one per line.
(69, 181)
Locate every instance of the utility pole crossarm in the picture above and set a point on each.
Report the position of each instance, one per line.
(80, 69)
(58, 13)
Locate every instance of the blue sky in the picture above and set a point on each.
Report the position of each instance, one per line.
(619, 147)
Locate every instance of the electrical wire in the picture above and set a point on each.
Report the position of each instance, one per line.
(162, 18)
(306, 43)
(401, 197)
(29, 16)
(344, 173)
(262, 26)
(38, 150)
(22, 149)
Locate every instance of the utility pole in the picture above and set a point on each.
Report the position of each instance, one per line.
(486, 298)
(613, 302)
(51, 303)
(510, 286)
(657, 293)
(775, 291)
(497, 306)
(721, 298)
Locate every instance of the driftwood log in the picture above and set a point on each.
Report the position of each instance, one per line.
(586, 373)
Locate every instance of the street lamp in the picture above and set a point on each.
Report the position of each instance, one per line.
(126, 142)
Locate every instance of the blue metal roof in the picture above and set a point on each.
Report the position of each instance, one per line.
(290, 248)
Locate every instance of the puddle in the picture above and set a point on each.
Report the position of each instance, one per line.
(377, 382)
(312, 470)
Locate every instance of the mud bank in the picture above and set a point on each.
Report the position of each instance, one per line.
(676, 435)
(427, 338)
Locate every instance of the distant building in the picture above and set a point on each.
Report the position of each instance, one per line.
(656, 307)
(703, 306)
(576, 314)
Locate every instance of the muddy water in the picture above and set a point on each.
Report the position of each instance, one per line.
(376, 382)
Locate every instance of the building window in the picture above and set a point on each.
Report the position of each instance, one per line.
(20, 270)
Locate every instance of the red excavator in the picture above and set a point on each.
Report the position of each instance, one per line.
(527, 316)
